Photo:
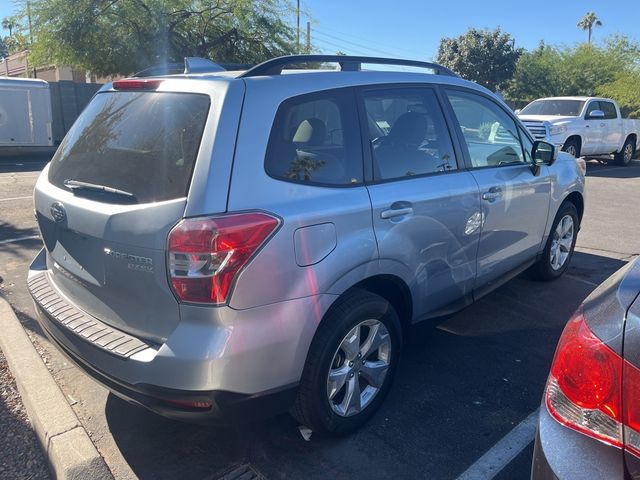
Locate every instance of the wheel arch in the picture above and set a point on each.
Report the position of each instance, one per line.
(634, 138)
(578, 201)
(390, 287)
(578, 139)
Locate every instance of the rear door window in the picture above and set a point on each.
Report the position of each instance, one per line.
(407, 133)
(141, 144)
(315, 139)
(609, 110)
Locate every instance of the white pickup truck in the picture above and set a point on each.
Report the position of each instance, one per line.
(583, 126)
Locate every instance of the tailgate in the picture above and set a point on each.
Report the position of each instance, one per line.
(116, 186)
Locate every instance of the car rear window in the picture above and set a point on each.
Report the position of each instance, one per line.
(143, 143)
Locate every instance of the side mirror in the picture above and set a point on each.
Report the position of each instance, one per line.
(543, 153)
(595, 114)
(516, 111)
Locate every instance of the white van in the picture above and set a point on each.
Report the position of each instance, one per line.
(25, 113)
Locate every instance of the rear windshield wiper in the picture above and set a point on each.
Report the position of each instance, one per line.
(79, 185)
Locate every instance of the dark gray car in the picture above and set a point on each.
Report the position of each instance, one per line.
(590, 416)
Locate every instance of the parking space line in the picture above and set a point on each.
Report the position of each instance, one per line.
(581, 280)
(19, 239)
(15, 198)
(504, 451)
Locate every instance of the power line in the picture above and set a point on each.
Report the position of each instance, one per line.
(334, 46)
(360, 50)
(362, 39)
(325, 36)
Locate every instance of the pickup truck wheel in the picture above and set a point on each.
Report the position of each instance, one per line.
(572, 147)
(350, 365)
(624, 156)
(560, 244)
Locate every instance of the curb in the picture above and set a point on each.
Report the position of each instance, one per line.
(67, 446)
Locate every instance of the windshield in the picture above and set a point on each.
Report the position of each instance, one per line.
(559, 108)
(141, 143)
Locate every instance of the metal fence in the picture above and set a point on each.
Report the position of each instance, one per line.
(68, 99)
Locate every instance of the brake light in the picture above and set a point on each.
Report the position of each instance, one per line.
(207, 254)
(585, 388)
(136, 84)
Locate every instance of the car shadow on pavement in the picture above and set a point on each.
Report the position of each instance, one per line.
(461, 386)
(9, 232)
(611, 170)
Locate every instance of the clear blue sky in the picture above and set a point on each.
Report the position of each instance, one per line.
(413, 28)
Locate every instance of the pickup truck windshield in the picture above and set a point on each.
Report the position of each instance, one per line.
(560, 108)
(135, 146)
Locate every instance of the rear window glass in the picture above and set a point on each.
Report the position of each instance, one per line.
(141, 143)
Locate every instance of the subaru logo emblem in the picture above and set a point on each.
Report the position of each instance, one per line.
(58, 213)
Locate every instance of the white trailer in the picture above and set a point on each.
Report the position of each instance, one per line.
(25, 113)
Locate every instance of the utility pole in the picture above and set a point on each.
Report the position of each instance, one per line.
(308, 38)
(298, 24)
(35, 73)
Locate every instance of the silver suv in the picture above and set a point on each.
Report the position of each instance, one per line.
(231, 244)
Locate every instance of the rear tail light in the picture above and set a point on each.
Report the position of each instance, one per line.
(207, 254)
(585, 388)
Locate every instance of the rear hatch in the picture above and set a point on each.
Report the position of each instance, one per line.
(105, 204)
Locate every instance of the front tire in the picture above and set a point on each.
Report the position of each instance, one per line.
(572, 147)
(624, 156)
(350, 365)
(560, 245)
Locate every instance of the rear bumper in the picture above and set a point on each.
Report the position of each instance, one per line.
(233, 364)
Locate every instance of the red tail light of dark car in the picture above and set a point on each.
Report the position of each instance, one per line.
(593, 390)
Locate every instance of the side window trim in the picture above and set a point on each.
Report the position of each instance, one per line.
(526, 155)
(340, 93)
(458, 130)
(367, 154)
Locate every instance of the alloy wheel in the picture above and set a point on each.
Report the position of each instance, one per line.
(571, 150)
(359, 368)
(628, 153)
(562, 242)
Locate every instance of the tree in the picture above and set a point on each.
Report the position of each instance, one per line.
(17, 40)
(110, 37)
(4, 50)
(486, 57)
(536, 75)
(581, 70)
(9, 23)
(625, 91)
(589, 21)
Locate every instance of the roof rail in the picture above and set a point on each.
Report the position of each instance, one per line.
(347, 64)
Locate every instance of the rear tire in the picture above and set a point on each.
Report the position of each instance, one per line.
(624, 156)
(560, 245)
(572, 147)
(337, 369)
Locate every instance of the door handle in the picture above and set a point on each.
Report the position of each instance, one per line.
(603, 124)
(396, 212)
(493, 194)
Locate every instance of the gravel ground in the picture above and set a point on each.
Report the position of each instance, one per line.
(20, 453)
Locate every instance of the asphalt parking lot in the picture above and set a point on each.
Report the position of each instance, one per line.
(462, 386)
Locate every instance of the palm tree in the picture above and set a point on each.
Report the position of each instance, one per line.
(589, 21)
(8, 24)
